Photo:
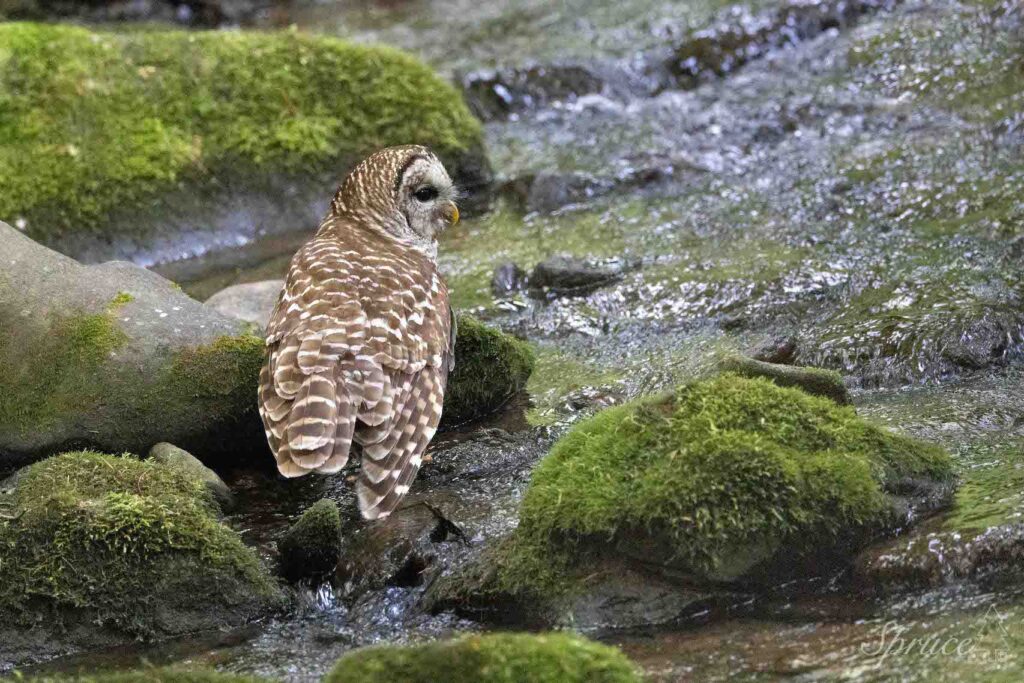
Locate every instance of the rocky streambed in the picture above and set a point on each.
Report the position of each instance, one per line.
(826, 184)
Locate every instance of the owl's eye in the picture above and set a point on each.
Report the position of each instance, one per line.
(425, 194)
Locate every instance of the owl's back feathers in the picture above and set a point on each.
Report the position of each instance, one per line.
(358, 351)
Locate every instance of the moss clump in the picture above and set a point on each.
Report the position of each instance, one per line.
(311, 547)
(489, 368)
(94, 121)
(123, 544)
(162, 675)
(58, 372)
(495, 658)
(712, 478)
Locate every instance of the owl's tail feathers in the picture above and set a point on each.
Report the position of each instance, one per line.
(310, 431)
(390, 465)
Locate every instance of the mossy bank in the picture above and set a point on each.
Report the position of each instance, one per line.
(112, 142)
(99, 549)
(495, 658)
(726, 481)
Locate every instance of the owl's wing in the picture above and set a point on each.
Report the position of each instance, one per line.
(358, 350)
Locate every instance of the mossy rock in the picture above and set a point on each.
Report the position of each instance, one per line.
(116, 358)
(113, 138)
(154, 675)
(97, 549)
(494, 658)
(311, 547)
(490, 367)
(726, 482)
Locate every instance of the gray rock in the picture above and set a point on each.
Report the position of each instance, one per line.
(498, 94)
(251, 302)
(568, 276)
(172, 456)
(116, 358)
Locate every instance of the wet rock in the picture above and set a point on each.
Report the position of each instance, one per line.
(398, 551)
(727, 484)
(498, 94)
(114, 357)
(550, 191)
(492, 658)
(507, 279)
(816, 381)
(251, 302)
(102, 550)
(741, 36)
(205, 165)
(569, 276)
(311, 547)
(173, 674)
(928, 561)
(777, 350)
(189, 465)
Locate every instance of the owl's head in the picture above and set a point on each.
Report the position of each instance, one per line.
(405, 191)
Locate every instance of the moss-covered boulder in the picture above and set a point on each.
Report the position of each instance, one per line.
(152, 675)
(151, 143)
(490, 367)
(726, 482)
(311, 547)
(495, 658)
(116, 358)
(98, 549)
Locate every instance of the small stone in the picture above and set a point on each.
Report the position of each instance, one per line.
(565, 275)
(172, 456)
(777, 350)
(251, 302)
(311, 547)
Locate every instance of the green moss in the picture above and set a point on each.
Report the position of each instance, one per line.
(312, 546)
(222, 375)
(489, 368)
(120, 543)
(151, 675)
(494, 658)
(92, 121)
(718, 466)
(57, 372)
(121, 299)
(991, 492)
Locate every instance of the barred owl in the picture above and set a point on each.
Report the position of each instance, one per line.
(361, 341)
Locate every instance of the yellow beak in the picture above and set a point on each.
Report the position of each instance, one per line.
(452, 213)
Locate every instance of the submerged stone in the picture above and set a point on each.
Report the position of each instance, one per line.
(97, 550)
(311, 547)
(494, 658)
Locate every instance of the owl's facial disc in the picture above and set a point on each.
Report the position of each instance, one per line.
(426, 197)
